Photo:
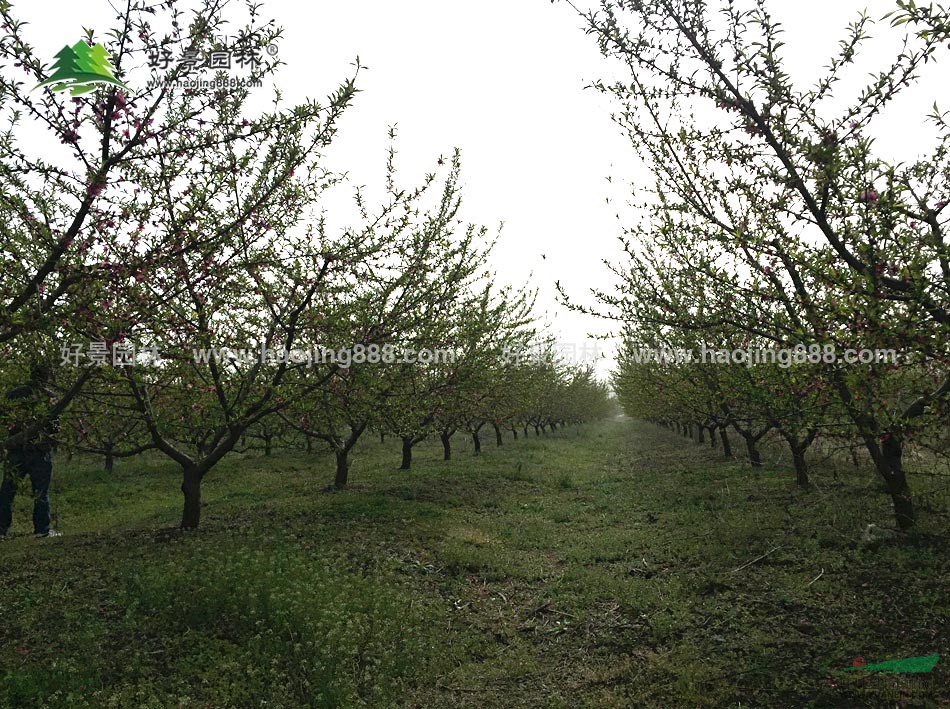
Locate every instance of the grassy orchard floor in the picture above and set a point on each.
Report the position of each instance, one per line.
(598, 566)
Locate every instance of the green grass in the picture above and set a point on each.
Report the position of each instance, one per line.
(605, 566)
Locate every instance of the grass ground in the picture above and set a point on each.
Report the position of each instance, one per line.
(613, 565)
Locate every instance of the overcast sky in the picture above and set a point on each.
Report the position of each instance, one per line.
(503, 80)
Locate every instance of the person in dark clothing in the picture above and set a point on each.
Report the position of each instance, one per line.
(31, 456)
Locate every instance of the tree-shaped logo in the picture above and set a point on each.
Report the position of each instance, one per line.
(81, 68)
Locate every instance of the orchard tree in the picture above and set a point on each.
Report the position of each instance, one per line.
(102, 421)
(276, 293)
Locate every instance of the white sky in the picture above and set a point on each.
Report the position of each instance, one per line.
(504, 81)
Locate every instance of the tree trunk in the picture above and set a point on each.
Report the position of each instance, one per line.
(702, 434)
(887, 455)
(499, 441)
(382, 436)
(446, 445)
(798, 447)
(890, 466)
(553, 426)
(537, 431)
(713, 442)
(309, 444)
(750, 443)
(514, 432)
(342, 469)
(726, 445)
(801, 467)
(109, 461)
(406, 453)
(191, 488)
(477, 442)
(267, 445)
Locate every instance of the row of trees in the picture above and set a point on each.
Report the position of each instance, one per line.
(175, 222)
(775, 222)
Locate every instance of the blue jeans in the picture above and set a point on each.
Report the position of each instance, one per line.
(39, 466)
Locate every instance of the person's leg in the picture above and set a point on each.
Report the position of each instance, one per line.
(11, 473)
(40, 468)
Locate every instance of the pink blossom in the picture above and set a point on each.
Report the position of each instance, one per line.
(869, 196)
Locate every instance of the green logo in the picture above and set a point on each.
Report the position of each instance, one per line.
(910, 664)
(81, 68)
